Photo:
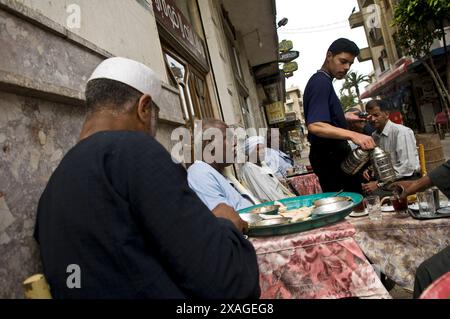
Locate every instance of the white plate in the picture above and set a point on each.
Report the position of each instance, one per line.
(415, 206)
(445, 210)
(361, 214)
(387, 209)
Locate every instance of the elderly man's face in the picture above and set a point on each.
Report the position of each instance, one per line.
(258, 153)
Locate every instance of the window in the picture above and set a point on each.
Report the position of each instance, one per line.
(381, 62)
(191, 84)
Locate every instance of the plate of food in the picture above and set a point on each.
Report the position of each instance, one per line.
(297, 214)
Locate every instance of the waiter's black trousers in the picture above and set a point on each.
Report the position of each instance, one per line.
(326, 159)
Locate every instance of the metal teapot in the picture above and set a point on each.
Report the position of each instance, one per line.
(381, 162)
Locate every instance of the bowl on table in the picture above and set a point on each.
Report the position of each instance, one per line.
(331, 200)
(332, 208)
(267, 210)
(270, 222)
(251, 218)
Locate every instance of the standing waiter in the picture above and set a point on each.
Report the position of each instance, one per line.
(327, 124)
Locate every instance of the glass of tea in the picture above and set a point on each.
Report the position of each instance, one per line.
(400, 204)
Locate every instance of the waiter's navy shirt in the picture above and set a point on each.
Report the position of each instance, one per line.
(322, 104)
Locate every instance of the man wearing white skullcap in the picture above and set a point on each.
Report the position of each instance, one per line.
(257, 176)
(121, 210)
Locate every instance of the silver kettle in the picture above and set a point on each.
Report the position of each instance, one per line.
(381, 162)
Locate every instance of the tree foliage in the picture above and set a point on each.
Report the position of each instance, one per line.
(354, 80)
(347, 101)
(419, 23)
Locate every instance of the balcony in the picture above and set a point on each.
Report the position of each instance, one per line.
(365, 55)
(356, 20)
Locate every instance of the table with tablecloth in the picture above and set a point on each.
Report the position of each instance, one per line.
(399, 245)
(322, 263)
(306, 184)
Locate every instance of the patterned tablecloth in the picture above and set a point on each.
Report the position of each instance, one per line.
(307, 184)
(399, 245)
(321, 263)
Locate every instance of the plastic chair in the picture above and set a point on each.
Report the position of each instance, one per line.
(36, 287)
(439, 289)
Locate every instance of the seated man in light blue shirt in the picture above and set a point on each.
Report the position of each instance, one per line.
(207, 180)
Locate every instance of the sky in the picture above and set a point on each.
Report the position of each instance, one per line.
(313, 25)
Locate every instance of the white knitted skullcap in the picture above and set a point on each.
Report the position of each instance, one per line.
(132, 73)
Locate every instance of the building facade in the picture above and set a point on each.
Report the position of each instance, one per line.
(217, 59)
(400, 79)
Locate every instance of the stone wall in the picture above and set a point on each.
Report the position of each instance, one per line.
(43, 72)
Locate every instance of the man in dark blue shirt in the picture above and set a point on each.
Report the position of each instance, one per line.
(327, 124)
(118, 219)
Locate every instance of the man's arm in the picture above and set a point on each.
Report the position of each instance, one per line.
(323, 129)
(412, 187)
(206, 256)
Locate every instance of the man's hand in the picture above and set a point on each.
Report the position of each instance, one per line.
(367, 175)
(401, 187)
(366, 142)
(227, 212)
(370, 187)
(353, 116)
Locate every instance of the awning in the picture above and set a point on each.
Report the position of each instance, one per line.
(374, 88)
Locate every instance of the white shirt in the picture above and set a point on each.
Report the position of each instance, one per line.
(400, 142)
(213, 188)
(262, 183)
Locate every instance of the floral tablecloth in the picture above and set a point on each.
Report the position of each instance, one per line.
(399, 245)
(307, 184)
(321, 263)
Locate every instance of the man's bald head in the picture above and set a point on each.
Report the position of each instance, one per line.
(214, 142)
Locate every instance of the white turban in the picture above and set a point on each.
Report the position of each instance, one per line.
(132, 73)
(252, 142)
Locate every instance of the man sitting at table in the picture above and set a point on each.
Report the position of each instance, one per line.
(396, 139)
(208, 180)
(118, 212)
(257, 176)
(279, 162)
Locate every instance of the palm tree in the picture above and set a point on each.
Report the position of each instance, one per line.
(353, 79)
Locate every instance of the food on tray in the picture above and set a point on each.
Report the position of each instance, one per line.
(299, 214)
(282, 208)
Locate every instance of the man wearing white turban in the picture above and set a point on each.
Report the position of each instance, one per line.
(121, 210)
(257, 176)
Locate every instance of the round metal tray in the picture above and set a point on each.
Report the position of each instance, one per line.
(316, 221)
